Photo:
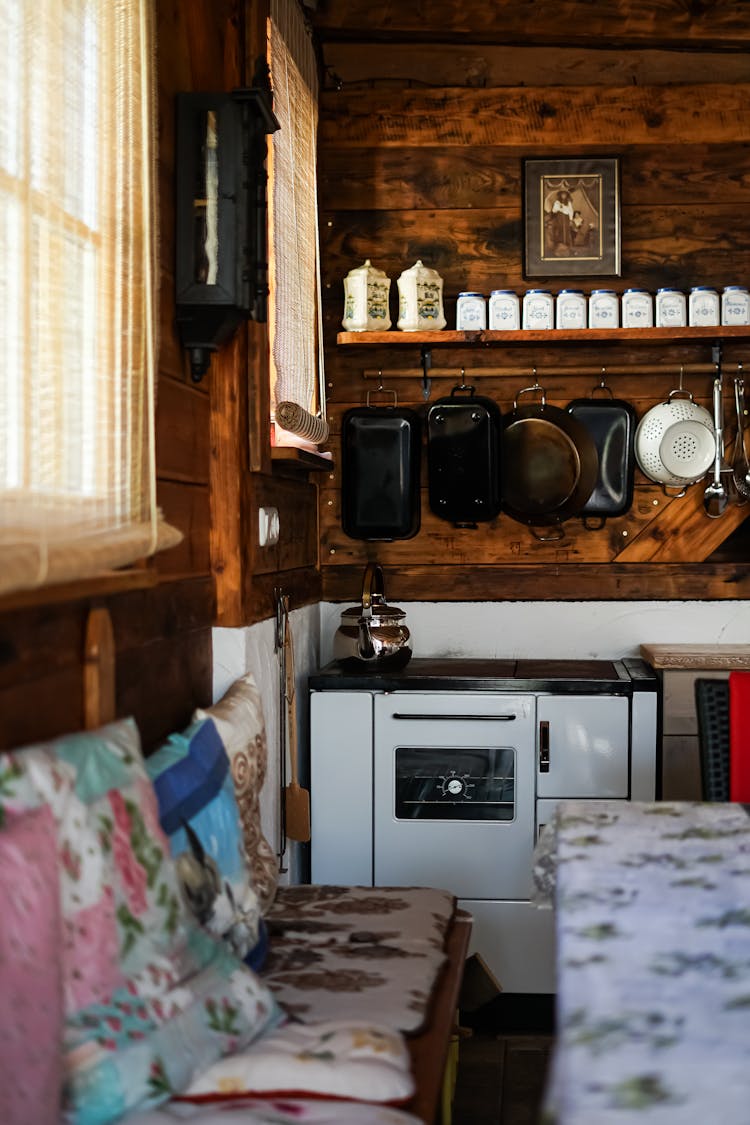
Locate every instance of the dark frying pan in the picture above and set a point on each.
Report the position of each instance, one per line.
(549, 462)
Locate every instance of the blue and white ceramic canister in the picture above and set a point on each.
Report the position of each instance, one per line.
(366, 291)
(735, 305)
(505, 311)
(570, 309)
(671, 308)
(604, 309)
(704, 306)
(637, 309)
(471, 312)
(538, 309)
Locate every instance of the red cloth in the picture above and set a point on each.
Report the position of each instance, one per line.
(739, 736)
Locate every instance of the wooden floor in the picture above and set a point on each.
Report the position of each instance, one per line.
(502, 1069)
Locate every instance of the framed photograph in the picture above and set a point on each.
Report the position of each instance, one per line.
(572, 217)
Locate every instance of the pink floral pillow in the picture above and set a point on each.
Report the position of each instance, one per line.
(31, 1016)
(150, 999)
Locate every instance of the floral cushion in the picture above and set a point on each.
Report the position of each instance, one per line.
(276, 1111)
(337, 1058)
(336, 952)
(31, 1010)
(238, 716)
(198, 812)
(150, 998)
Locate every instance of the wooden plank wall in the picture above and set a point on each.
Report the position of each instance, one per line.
(426, 116)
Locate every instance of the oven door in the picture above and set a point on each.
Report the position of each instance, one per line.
(454, 792)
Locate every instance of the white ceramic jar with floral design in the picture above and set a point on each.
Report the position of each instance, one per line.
(420, 299)
(366, 292)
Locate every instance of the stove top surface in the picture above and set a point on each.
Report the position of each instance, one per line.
(477, 674)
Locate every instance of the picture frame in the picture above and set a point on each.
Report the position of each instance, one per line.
(571, 208)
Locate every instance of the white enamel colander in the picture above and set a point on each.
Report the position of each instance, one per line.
(675, 441)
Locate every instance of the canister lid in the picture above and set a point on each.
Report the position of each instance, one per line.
(579, 292)
(470, 294)
(532, 292)
(735, 289)
(367, 268)
(497, 292)
(669, 289)
(636, 291)
(611, 292)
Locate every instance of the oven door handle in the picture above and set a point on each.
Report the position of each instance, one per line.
(506, 718)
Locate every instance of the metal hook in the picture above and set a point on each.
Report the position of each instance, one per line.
(426, 358)
(602, 380)
(380, 380)
(682, 372)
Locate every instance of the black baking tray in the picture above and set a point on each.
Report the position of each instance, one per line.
(381, 448)
(463, 457)
(611, 423)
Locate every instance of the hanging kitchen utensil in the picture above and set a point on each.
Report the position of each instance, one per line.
(611, 424)
(372, 634)
(715, 496)
(296, 799)
(380, 462)
(677, 434)
(463, 457)
(282, 607)
(740, 460)
(549, 463)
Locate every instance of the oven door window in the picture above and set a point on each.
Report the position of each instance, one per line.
(455, 783)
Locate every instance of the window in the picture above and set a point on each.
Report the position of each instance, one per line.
(77, 290)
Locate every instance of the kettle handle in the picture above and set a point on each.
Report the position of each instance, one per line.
(372, 584)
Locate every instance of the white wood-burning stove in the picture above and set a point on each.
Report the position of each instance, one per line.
(443, 774)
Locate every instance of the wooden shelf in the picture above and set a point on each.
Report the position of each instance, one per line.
(701, 658)
(446, 338)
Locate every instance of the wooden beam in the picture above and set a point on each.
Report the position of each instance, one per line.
(560, 118)
(432, 178)
(721, 24)
(570, 582)
(483, 64)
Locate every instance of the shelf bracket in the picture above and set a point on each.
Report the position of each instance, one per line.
(426, 358)
(716, 357)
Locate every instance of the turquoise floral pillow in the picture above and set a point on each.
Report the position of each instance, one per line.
(150, 999)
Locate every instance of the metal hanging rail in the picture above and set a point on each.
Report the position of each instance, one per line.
(557, 371)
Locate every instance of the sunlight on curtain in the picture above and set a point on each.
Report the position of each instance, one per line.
(77, 290)
(294, 329)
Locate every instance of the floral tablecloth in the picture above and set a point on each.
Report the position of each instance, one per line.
(652, 906)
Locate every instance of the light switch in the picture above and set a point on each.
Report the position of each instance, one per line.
(268, 526)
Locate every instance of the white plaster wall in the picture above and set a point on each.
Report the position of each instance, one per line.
(585, 630)
(237, 651)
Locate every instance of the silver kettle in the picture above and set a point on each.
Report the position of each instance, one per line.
(372, 634)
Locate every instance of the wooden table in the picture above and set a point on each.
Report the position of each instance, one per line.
(652, 908)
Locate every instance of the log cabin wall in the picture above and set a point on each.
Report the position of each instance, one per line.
(209, 438)
(426, 115)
